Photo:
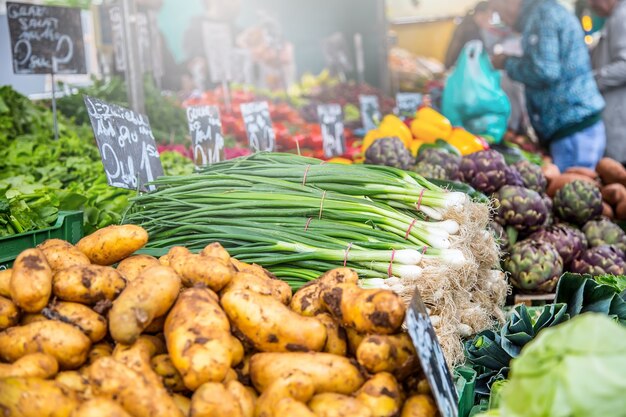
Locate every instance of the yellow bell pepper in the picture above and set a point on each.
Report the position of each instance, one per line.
(465, 142)
(393, 126)
(415, 146)
(338, 160)
(429, 125)
(371, 137)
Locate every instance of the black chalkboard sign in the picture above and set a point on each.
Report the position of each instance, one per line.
(127, 148)
(431, 357)
(331, 122)
(205, 128)
(370, 112)
(408, 104)
(46, 39)
(256, 117)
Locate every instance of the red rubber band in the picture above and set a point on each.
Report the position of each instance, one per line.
(306, 171)
(345, 259)
(389, 270)
(419, 202)
(424, 250)
(308, 222)
(322, 205)
(408, 232)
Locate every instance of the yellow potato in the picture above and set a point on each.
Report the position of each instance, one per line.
(165, 260)
(156, 326)
(165, 369)
(62, 255)
(270, 325)
(98, 351)
(419, 406)
(215, 250)
(292, 408)
(330, 373)
(296, 386)
(9, 313)
(354, 340)
(31, 318)
(80, 316)
(329, 404)
(113, 243)
(198, 270)
(67, 344)
(149, 296)
(74, 381)
(307, 301)
(132, 391)
(37, 365)
(35, 397)
(183, 403)
(260, 284)
(384, 353)
(5, 282)
(246, 397)
(88, 284)
(231, 375)
(382, 395)
(198, 338)
(48, 243)
(130, 268)
(214, 400)
(100, 407)
(31, 281)
(138, 357)
(336, 341)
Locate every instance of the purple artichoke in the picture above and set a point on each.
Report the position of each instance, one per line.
(439, 157)
(485, 171)
(521, 208)
(568, 241)
(513, 177)
(390, 152)
(578, 202)
(532, 176)
(601, 260)
(534, 266)
(605, 233)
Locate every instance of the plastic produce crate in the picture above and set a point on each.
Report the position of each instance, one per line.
(465, 381)
(69, 227)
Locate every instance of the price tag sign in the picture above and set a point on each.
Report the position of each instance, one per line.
(46, 39)
(431, 357)
(408, 103)
(205, 128)
(370, 112)
(331, 122)
(127, 148)
(256, 117)
(218, 50)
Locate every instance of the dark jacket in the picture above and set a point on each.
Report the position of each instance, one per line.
(467, 31)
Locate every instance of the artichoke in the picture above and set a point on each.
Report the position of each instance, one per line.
(502, 239)
(601, 260)
(513, 177)
(485, 171)
(578, 202)
(550, 207)
(568, 241)
(521, 208)
(534, 266)
(532, 176)
(429, 170)
(605, 232)
(440, 157)
(390, 152)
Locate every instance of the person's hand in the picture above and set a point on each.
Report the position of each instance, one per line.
(498, 61)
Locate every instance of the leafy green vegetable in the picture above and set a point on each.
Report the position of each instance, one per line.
(616, 281)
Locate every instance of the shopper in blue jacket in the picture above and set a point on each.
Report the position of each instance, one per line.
(564, 103)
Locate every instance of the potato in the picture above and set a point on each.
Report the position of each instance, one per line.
(137, 395)
(5, 282)
(259, 284)
(31, 281)
(113, 243)
(165, 260)
(614, 194)
(138, 357)
(62, 255)
(354, 340)
(307, 301)
(270, 325)
(165, 369)
(198, 270)
(365, 310)
(620, 211)
(330, 373)
(336, 340)
(419, 406)
(246, 397)
(216, 250)
(231, 375)
(214, 400)
(149, 296)
(243, 370)
(329, 404)
(156, 326)
(292, 408)
(80, 316)
(9, 313)
(607, 211)
(382, 395)
(88, 284)
(31, 318)
(611, 171)
(35, 397)
(130, 268)
(37, 365)
(100, 407)
(583, 171)
(198, 338)
(98, 351)
(279, 288)
(562, 180)
(382, 353)
(183, 403)
(296, 386)
(74, 381)
(67, 344)
(48, 243)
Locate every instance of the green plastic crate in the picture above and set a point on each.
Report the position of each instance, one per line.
(69, 227)
(465, 381)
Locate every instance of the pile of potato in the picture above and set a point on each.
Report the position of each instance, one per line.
(196, 335)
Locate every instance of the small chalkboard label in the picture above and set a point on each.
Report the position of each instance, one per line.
(256, 117)
(331, 122)
(370, 112)
(408, 103)
(127, 148)
(46, 39)
(205, 128)
(431, 357)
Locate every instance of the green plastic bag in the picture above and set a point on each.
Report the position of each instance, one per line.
(473, 98)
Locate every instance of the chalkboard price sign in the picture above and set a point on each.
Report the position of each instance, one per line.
(331, 122)
(205, 128)
(46, 39)
(370, 112)
(431, 357)
(256, 117)
(408, 104)
(127, 148)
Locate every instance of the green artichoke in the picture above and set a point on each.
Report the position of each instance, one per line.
(532, 176)
(601, 260)
(485, 171)
(605, 232)
(568, 241)
(521, 208)
(441, 158)
(429, 170)
(578, 202)
(534, 266)
(390, 152)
